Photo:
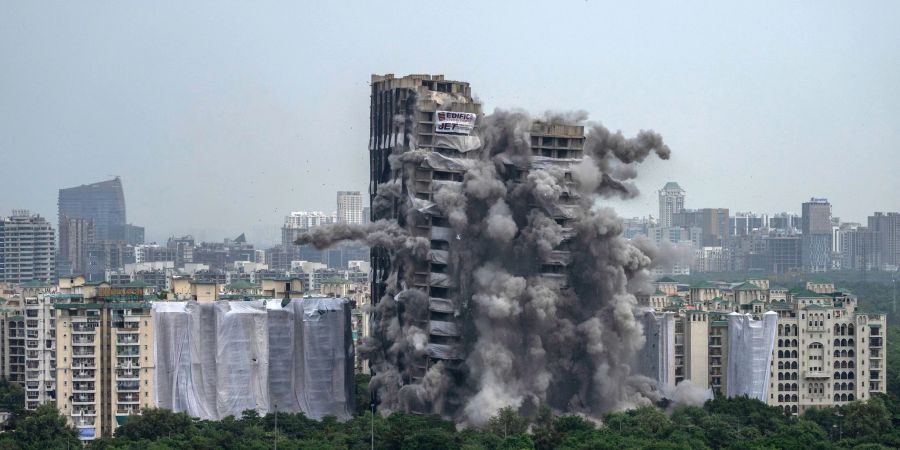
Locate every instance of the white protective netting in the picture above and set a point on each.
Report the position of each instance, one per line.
(217, 359)
(750, 345)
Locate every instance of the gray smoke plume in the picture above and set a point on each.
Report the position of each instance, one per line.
(539, 281)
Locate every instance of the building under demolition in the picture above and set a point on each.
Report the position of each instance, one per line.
(480, 303)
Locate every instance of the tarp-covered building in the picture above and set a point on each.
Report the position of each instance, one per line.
(217, 359)
(750, 345)
(656, 358)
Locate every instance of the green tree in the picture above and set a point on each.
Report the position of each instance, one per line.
(45, 429)
(864, 421)
(154, 423)
(507, 422)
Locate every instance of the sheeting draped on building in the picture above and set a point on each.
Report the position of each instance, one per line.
(654, 358)
(217, 359)
(750, 345)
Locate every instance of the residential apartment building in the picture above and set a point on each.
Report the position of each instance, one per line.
(349, 207)
(671, 202)
(27, 248)
(105, 364)
(40, 344)
(823, 352)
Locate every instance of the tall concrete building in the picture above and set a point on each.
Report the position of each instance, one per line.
(671, 202)
(417, 98)
(885, 235)
(782, 254)
(440, 122)
(27, 250)
(40, 345)
(75, 236)
(349, 207)
(105, 362)
(134, 235)
(816, 242)
(714, 224)
(102, 202)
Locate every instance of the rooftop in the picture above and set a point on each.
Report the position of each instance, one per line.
(746, 286)
(806, 293)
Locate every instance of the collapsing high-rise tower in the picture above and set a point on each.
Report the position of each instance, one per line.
(432, 114)
(495, 281)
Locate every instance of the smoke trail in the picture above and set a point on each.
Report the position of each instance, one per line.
(540, 307)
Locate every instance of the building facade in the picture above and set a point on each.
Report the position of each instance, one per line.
(349, 207)
(27, 248)
(104, 355)
(824, 352)
(816, 241)
(102, 202)
(75, 235)
(671, 202)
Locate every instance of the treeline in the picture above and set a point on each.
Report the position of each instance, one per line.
(738, 423)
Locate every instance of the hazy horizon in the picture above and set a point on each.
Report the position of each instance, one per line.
(223, 119)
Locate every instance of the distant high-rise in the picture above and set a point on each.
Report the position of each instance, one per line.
(885, 230)
(27, 250)
(671, 202)
(75, 235)
(816, 242)
(349, 207)
(134, 235)
(102, 202)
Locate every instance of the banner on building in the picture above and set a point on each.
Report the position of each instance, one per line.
(450, 122)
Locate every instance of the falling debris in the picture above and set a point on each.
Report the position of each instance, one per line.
(497, 281)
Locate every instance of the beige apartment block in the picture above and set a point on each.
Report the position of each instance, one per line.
(105, 360)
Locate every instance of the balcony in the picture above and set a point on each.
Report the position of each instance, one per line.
(129, 398)
(82, 399)
(816, 374)
(84, 327)
(83, 387)
(83, 351)
(128, 363)
(127, 339)
(86, 375)
(128, 374)
(128, 386)
(83, 412)
(127, 410)
(84, 421)
(83, 339)
(125, 351)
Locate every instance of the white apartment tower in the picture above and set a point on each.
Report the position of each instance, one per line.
(671, 202)
(27, 248)
(349, 207)
(40, 344)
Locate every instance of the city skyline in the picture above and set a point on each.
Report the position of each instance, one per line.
(235, 125)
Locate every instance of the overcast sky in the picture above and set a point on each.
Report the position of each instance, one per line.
(223, 117)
